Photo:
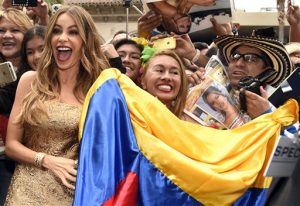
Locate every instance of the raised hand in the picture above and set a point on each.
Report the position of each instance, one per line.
(184, 46)
(109, 50)
(184, 6)
(147, 23)
(221, 29)
(41, 11)
(293, 15)
(6, 4)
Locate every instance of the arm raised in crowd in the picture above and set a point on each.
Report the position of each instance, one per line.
(6, 4)
(293, 17)
(147, 23)
(186, 49)
(113, 57)
(163, 8)
(41, 11)
(184, 6)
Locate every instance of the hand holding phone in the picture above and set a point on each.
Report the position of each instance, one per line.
(26, 3)
(7, 73)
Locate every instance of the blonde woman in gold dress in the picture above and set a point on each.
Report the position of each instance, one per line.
(43, 126)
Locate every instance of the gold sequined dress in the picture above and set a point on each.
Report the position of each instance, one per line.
(58, 136)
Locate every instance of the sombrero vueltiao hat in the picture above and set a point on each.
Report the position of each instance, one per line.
(272, 48)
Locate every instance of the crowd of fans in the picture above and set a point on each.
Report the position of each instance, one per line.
(58, 58)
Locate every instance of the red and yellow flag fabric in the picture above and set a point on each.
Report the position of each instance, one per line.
(134, 151)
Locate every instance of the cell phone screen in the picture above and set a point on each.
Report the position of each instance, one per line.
(164, 44)
(7, 73)
(26, 3)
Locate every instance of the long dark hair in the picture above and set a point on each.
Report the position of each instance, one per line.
(214, 90)
(36, 31)
(46, 86)
(180, 100)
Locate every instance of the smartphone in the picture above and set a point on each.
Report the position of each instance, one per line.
(7, 73)
(164, 44)
(26, 3)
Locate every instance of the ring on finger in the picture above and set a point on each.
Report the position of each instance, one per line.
(75, 163)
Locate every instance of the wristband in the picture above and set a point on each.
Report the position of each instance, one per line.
(38, 159)
(268, 111)
(196, 57)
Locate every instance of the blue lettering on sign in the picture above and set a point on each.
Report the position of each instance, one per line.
(290, 152)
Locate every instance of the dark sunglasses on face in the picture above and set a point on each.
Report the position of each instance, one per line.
(247, 57)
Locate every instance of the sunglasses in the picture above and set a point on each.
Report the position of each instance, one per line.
(247, 57)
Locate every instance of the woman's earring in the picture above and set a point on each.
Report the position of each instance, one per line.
(173, 103)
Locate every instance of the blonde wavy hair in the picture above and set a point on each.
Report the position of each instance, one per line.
(46, 86)
(179, 103)
(17, 17)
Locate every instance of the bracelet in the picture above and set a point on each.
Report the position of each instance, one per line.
(196, 57)
(38, 159)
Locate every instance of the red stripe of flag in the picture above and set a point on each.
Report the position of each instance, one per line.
(126, 192)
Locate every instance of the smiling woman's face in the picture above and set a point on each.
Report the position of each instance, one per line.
(217, 101)
(34, 49)
(162, 78)
(130, 56)
(66, 43)
(11, 38)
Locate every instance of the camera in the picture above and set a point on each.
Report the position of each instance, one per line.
(252, 84)
(26, 3)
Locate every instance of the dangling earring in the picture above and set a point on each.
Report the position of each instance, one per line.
(173, 103)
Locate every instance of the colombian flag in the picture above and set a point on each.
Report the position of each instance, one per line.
(134, 151)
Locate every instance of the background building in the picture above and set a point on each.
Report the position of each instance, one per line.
(110, 16)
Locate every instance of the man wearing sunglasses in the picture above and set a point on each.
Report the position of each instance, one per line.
(246, 61)
(251, 56)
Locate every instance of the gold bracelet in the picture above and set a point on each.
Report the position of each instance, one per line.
(38, 159)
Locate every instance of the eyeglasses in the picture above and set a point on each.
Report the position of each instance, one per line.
(248, 57)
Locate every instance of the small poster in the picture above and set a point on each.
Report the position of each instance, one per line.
(183, 18)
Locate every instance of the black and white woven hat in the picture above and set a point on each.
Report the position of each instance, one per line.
(272, 48)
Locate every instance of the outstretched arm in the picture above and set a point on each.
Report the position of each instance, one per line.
(293, 17)
(184, 6)
(163, 8)
(147, 23)
(186, 49)
(41, 11)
